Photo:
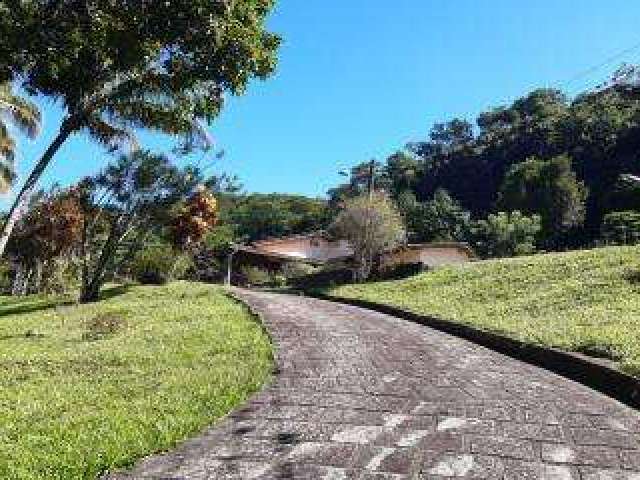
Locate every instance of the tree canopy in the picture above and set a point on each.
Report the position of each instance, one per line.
(117, 67)
(543, 154)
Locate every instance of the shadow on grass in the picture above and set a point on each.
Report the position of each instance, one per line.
(29, 305)
(115, 291)
(633, 277)
(27, 335)
(23, 305)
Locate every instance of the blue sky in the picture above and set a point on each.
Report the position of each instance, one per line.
(360, 78)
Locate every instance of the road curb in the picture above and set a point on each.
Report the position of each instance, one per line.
(609, 381)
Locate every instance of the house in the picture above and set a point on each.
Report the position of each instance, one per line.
(429, 255)
(318, 250)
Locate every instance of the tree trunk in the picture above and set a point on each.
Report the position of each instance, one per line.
(27, 189)
(36, 285)
(91, 286)
(18, 279)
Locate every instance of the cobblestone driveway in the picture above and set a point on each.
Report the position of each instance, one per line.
(361, 395)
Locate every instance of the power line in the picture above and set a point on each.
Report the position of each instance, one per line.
(600, 65)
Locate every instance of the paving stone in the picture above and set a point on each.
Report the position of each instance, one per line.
(359, 395)
(531, 431)
(597, 474)
(592, 436)
(630, 459)
(516, 470)
(581, 455)
(504, 447)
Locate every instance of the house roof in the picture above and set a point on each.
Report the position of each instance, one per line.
(317, 234)
(254, 249)
(248, 249)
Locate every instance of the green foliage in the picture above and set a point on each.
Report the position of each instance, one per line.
(188, 356)
(599, 132)
(372, 225)
(62, 276)
(621, 228)
(137, 64)
(547, 188)
(129, 201)
(439, 219)
(294, 270)
(578, 301)
(219, 238)
(116, 68)
(157, 265)
(17, 112)
(260, 216)
(506, 234)
(256, 276)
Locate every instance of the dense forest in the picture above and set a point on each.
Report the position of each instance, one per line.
(545, 154)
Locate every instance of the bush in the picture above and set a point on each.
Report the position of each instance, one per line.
(621, 228)
(400, 271)
(183, 267)
(255, 275)
(159, 265)
(506, 235)
(323, 279)
(295, 270)
(61, 275)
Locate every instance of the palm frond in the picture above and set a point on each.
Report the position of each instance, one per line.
(21, 112)
(112, 136)
(7, 159)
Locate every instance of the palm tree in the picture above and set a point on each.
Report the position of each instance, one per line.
(20, 113)
(160, 66)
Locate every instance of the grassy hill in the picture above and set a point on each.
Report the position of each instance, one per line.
(586, 301)
(84, 388)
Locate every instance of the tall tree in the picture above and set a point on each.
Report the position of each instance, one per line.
(119, 66)
(19, 112)
(437, 220)
(126, 203)
(548, 188)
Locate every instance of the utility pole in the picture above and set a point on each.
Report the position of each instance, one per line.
(233, 250)
(372, 176)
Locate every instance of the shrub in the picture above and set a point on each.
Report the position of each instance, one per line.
(279, 280)
(506, 234)
(102, 325)
(61, 275)
(324, 278)
(160, 264)
(256, 276)
(293, 270)
(183, 267)
(402, 270)
(621, 228)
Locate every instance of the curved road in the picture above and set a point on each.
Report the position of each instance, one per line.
(361, 395)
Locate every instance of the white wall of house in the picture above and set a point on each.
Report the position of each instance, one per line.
(313, 248)
(429, 255)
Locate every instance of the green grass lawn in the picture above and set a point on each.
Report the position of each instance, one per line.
(75, 402)
(586, 301)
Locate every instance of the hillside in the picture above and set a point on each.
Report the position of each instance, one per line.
(586, 301)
